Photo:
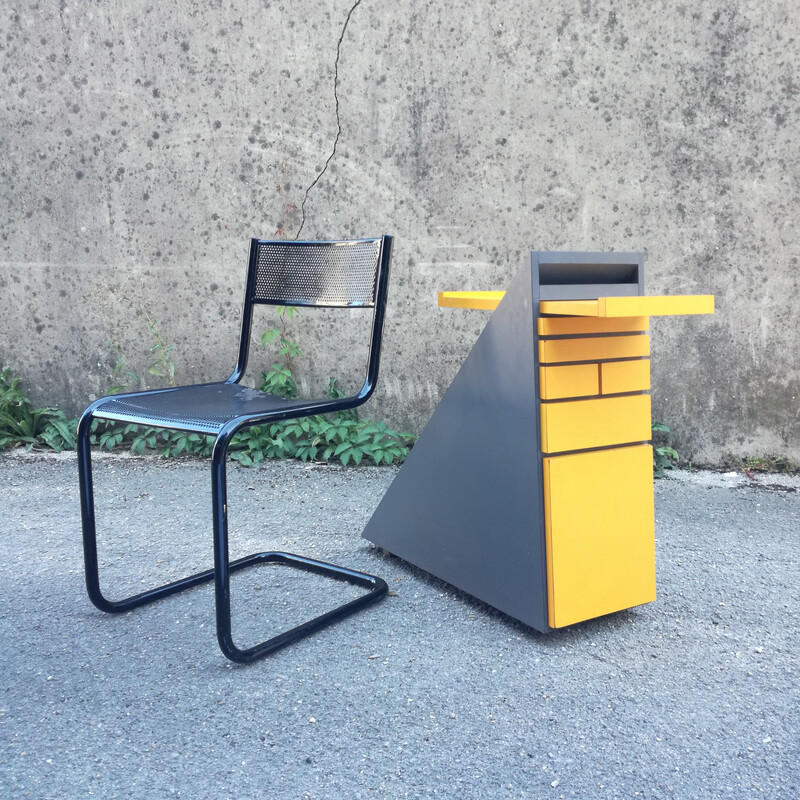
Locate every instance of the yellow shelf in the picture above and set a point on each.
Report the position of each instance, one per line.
(635, 306)
(484, 300)
(603, 307)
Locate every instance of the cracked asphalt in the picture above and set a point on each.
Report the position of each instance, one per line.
(428, 694)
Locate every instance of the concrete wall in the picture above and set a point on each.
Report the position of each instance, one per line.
(143, 143)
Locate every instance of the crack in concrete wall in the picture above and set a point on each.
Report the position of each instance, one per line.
(338, 118)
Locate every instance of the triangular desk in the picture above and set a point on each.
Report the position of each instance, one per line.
(531, 487)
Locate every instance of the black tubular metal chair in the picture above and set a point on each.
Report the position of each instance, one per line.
(346, 274)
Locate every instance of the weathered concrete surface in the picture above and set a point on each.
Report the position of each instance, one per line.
(143, 144)
(429, 694)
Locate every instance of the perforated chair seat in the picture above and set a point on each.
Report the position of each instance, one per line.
(203, 408)
(350, 274)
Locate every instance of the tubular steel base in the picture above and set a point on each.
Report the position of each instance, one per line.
(220, 574)
(377, 586)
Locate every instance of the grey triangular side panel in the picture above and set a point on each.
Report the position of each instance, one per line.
(466, 506)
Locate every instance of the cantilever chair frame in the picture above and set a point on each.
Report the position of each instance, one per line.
(223, 567)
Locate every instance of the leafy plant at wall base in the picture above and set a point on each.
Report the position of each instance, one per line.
(122, 379)
(335, 393)
(278, 378)
(770, 464)
(142, 439)
(339, 437)
(162, 366)
(108, 435)
(180, 442)
(664, 457)
(342, 436)
(22, 424)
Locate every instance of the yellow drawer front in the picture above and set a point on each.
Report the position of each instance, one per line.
(559, 350)
(576, 380)
(584, 424)
(599, 533)
(564, 326)
(624, 376)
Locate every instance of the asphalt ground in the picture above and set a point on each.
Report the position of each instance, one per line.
(430, 693)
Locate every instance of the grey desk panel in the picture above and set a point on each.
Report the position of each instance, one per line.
(466, 506)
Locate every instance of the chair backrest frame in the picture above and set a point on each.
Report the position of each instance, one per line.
(253, 296)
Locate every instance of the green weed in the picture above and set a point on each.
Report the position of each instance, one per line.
(664, 456)
(22, 424)
(334, 438)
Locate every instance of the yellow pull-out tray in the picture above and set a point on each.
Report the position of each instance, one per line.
(484, 300)
(605, 307)
(636, 306)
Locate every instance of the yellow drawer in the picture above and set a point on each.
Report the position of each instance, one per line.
(625, 376)
(553, 351)
(575, 380)
(599, 533)
(584, 424)
(563, 326)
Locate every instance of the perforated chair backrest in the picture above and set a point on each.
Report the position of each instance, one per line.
(316, 273)
(343, 274)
